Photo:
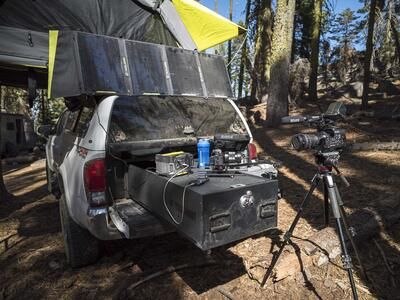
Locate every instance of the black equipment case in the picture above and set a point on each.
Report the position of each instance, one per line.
(223, 210)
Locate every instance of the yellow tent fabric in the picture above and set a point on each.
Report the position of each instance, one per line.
(206, 27)
(53, 37)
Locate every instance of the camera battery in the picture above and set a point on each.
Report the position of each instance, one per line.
(169, 164)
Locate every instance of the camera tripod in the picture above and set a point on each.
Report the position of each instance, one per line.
(326, 162)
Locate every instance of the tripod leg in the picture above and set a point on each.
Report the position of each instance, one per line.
(350, 232)
(337, 215)
(286, 238)
(326, 205)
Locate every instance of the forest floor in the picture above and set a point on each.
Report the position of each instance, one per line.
(33, 265)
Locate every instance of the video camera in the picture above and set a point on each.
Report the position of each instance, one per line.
(328, 136)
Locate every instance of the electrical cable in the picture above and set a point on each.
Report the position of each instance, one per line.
(107, 134)
(183, 197)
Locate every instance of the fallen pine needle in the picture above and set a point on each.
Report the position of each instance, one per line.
(225, 293)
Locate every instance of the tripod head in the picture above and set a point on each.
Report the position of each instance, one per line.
(328, 160)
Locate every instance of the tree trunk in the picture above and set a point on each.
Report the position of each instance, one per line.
(3, 190)
(277, 106)
(262, 49)
(368, 54)
(293, 51)
(315, 35)
(395, 36)
(244, 52)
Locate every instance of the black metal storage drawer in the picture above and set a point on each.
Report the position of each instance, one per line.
(218, 212)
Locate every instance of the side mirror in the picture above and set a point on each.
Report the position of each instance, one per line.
(45, 130)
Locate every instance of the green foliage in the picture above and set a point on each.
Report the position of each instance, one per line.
(303, 27)
(345, 28)
(47, 111)
(13, 100)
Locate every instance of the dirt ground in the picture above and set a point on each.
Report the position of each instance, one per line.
(33, 265)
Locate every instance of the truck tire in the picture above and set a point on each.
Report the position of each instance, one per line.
(81, 248)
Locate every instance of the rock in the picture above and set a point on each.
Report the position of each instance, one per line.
(356, 89)
(352, 90)
(53, 265)
(298, 80)
(326, 241)
(322, 260)
(335, 252)
(288, 265)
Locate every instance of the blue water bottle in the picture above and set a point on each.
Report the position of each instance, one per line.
(203, 153)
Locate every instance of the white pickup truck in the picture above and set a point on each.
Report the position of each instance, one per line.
(93, 146)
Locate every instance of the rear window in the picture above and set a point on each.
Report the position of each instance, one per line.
(143, 118)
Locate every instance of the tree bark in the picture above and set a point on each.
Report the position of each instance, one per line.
(315, 35)
(262, 49)
(244, 52)
(3, 190)
(395, 36)
(368, 54)
(277, 106)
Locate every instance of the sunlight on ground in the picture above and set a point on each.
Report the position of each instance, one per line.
(26, 179)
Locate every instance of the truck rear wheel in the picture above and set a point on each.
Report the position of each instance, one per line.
(81, 248)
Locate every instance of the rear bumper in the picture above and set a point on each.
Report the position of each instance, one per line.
(140, 222)
(100, 226)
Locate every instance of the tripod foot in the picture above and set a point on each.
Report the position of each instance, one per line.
(288, 234)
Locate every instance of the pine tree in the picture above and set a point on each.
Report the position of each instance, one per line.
(344, 31)
(316, 31)
(262, 49)
(303, 28)
(244, 52)
(282, 39)
(368, 54)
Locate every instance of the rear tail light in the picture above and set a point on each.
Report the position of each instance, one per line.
(252, 151)
(95, 182)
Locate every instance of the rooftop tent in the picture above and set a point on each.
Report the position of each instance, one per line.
(206, 27)
(25, 24)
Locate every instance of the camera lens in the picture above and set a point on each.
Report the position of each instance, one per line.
(305, 141)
